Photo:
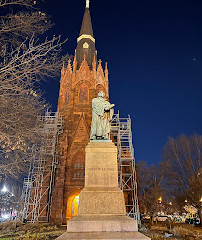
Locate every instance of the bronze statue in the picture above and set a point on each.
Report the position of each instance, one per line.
(102, 112)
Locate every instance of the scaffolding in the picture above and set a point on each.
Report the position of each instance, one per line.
(39, 184)
(37, 187)
(122, 137)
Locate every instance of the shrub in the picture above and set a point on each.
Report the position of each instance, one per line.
(157, 237)
(35, 236)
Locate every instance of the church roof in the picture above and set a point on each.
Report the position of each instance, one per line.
(86, 27)
(86, 41)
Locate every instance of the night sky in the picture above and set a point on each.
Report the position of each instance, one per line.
(154, 54)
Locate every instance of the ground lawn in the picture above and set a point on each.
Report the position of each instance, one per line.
(45, 231)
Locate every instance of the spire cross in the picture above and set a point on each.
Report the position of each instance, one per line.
(87, 3)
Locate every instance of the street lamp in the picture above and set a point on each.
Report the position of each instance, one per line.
(4, 189)
(160, 199)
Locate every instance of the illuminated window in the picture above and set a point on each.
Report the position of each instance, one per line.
(75, 205)
(79, 165)
(85, 45)
(83, 94)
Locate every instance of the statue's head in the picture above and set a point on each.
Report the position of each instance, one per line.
(101, 94)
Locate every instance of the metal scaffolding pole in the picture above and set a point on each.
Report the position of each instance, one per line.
(37, 188)
(122, 137)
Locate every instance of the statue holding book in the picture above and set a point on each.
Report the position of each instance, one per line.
(102, 112)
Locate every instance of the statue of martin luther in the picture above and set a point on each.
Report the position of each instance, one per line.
(102, 112)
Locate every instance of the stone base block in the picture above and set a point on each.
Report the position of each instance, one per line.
(104, 236)
(101, 201)
(102, 224)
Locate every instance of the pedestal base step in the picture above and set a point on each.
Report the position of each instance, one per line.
(111, 223)
(104, 236)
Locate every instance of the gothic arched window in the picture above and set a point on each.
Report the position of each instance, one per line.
(79, 165)
(67, 95)
(83, 94)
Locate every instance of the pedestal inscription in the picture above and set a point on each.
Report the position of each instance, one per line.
(101, 166)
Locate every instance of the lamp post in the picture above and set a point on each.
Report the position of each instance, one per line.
(160, 206)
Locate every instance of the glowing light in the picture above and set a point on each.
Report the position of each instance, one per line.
(170, 203)
(75, 205)
(160, 199)
(186, 200)
(200, 200)
(5, 216)
(76, 199)
(4, 189)
(87, 3)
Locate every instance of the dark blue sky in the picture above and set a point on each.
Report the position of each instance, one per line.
(154, 53)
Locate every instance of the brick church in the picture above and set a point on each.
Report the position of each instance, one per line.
(81, 80)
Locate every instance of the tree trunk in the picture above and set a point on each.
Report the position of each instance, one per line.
(152, 220)
(152, 215)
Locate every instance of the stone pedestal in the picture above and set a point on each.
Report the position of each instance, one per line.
(101, 213)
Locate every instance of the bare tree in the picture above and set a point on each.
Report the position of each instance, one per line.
(151, 187)
(24, 61)
(185, 172)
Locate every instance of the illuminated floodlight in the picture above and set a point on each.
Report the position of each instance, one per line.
(4, 189)
(6, 216)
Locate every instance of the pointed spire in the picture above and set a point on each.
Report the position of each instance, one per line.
(84, 57)
(94, 63)
(106, 72)
(86, 40)
(86, 27)
(106, 69)
(100, 62)
(63, 68)
(69, 66)
(74, 63)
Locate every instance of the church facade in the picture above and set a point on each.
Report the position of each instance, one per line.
(81, 80)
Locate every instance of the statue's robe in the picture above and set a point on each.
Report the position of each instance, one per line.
(101, 117)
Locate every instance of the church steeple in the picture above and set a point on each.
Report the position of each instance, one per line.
(81, 81)
(86, 40)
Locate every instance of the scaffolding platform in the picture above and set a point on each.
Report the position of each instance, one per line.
(121, 134)
(37, 187)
